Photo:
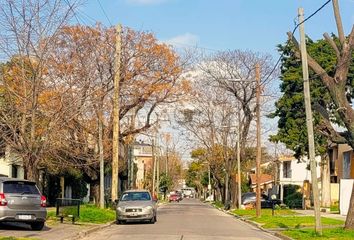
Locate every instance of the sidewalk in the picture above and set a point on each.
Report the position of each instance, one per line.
(323, 214)
(52, 230)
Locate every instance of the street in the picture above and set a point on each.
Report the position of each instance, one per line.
(188, 220)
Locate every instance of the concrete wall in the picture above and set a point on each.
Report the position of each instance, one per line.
(334, 192)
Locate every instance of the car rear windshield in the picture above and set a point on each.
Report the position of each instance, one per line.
(20, 187)
(135, 196)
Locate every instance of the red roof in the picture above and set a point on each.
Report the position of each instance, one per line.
(264, 178)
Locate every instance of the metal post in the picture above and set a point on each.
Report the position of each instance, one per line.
(238, 165)
(259, 150)
(157, 176)
(226, 172)
(209, 184)
(100, 146)
(309, 124)
(154, 167)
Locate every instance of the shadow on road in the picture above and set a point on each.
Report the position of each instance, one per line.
(19, 227)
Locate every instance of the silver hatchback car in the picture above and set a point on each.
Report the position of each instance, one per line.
(21, 201)
(136, 205)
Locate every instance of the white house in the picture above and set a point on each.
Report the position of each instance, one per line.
(295, 172)
(10, 166)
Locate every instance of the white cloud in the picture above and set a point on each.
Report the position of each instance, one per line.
(145, 2)
(186, 39)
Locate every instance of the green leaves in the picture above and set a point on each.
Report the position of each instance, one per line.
(290, 107)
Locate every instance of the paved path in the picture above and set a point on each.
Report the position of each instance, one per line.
(55, 231)
(327, 215)
(187, 220)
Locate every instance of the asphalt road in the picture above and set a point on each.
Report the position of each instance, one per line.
(187, 220)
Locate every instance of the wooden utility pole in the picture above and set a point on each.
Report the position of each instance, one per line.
(309, 124)
(259, 150)
(115, 143)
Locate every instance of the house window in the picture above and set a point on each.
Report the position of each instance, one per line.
(287, 169)
(14, 171)
(346, 165)
(332, 164)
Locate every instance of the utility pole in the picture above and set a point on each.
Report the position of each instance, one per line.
(157, 175)
(209, 184)
(227, 176)
(153, 167)
(238, 164)
(309, 124)
(101, 158)
(166, 163)
(259, 150)
(115, 143)
(131, 140)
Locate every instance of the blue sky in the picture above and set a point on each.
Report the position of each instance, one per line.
(256, 25)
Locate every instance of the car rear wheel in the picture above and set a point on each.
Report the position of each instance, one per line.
(37, 226)
(120, 222)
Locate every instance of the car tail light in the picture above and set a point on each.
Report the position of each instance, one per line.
(3, 201)
(43, 201)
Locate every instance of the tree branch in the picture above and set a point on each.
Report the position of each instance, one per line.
(338, 22)
(332, 43)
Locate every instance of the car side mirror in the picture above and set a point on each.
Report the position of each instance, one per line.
(116, 201)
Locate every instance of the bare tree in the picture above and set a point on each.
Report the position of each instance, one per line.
(26, 33)
(234, 72)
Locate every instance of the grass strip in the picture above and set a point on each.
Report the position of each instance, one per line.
(328, 234)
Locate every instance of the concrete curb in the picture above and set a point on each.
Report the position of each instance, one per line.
(86, 232)
(255, 224)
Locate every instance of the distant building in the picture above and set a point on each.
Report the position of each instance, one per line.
(143, 158)
(266, 182)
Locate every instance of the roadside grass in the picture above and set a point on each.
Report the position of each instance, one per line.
(218, 204)
(334, 207)
(264, 212)
(329, 233)
(89, 214)
(296, 222)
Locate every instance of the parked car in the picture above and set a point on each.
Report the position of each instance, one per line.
(173, 198)
(180, 195)
(21, 201)
(249, 198)
(136, 205)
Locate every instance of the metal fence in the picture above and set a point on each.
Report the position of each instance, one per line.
(68, 208)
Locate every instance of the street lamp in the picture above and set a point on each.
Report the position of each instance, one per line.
(259, 150)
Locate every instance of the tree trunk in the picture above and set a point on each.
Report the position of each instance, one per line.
(31, 171)
(349, 222)
(95, 192)
(325, 183)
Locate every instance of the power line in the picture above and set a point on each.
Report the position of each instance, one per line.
(104, 12)
(295, 28)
